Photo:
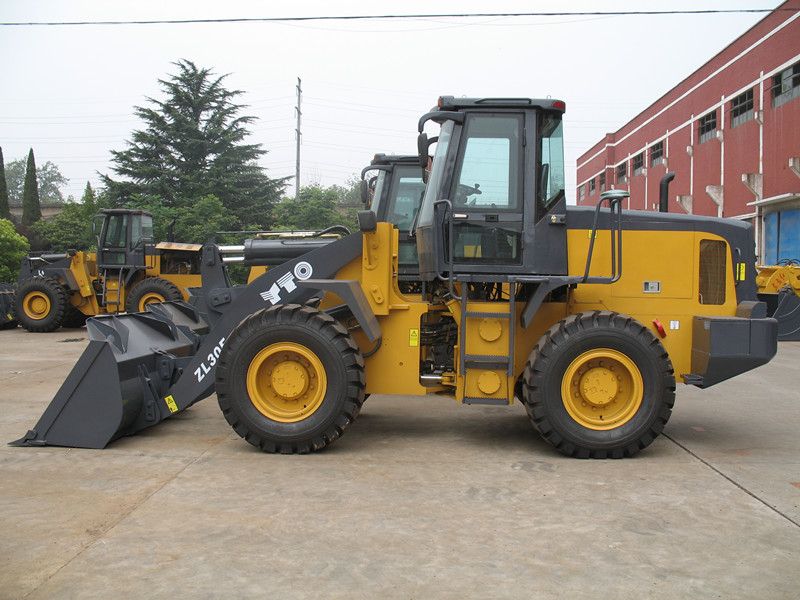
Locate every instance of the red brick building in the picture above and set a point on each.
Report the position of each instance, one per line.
(731, 133)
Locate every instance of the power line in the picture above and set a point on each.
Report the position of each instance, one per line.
(599, 13)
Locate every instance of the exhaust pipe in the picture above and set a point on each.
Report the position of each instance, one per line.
(663, 192)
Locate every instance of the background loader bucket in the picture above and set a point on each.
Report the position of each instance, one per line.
(115, 388)
(785, 307)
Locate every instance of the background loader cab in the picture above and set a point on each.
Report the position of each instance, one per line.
(127, 272)
(121, 237)
(394, 193)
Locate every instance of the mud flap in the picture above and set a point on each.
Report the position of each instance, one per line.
(116, 386)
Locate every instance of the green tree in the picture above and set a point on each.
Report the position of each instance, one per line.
(316, 208)
(5, 210)
(207, 216)
(48, 176)
(71, 228)
(31, 209)
(193, 146)
(350, 193)
(89, 200)
(12, 248)
(68, 229)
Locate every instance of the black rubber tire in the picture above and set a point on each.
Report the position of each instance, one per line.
(74, 319)
(565, 345)
(8, 289)
(338, 356)
(57, 304)
(152, 289)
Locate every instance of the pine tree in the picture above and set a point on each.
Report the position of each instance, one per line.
(89, 200)
(31, 208)
(193, 147)
(5, 210)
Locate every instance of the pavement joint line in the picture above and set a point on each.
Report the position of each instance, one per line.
(117, 522)
(730, 479)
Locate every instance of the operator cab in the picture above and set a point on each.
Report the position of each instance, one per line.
(122, 237)
(494, 206)
(395, 195)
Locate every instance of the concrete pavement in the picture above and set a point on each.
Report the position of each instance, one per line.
(421, 498)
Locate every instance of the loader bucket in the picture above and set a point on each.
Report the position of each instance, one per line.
(114, 388)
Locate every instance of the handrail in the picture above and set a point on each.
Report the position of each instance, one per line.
(614, 198)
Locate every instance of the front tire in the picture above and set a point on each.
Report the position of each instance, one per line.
(599, 385)
(40, 304)
(151, 290)
(290, 379)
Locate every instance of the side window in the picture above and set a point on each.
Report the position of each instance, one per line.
(550, 167)
(136, 230)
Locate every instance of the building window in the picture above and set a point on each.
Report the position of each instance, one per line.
(622, 173)
(638, 163)
(581, 193)
(603, 181)
(742, 108)
(591, 187)
(657, 154)
(708, 126)
(786, 85)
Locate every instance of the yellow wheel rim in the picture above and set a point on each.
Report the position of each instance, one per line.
(286, 382)
(602, 389)
(36, 305)
(149, 298)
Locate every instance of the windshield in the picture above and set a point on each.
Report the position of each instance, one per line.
(433, 189)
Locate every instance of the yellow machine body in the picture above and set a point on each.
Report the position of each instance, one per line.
(659, 290)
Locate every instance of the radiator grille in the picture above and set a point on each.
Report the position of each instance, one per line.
(712, 271)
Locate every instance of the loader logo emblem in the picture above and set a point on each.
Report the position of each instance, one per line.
(302, 271)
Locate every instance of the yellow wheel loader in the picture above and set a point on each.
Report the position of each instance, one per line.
(588, 316)
(127, 272)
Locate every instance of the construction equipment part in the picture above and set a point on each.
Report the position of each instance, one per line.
(394, 193)
(127, 272)
(579, 312)
(7, 318)
(779, 288)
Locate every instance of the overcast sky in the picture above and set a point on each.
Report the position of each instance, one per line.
(68, 92)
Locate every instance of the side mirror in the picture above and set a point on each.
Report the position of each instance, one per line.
(422, 149)
(365, 193)
(367, 220)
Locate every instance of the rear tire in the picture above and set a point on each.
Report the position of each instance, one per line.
(290, 379)
(599, 385)
(7, 290)
(40, 304)
(151, 290)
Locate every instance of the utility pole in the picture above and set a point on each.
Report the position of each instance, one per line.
(297, 132)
